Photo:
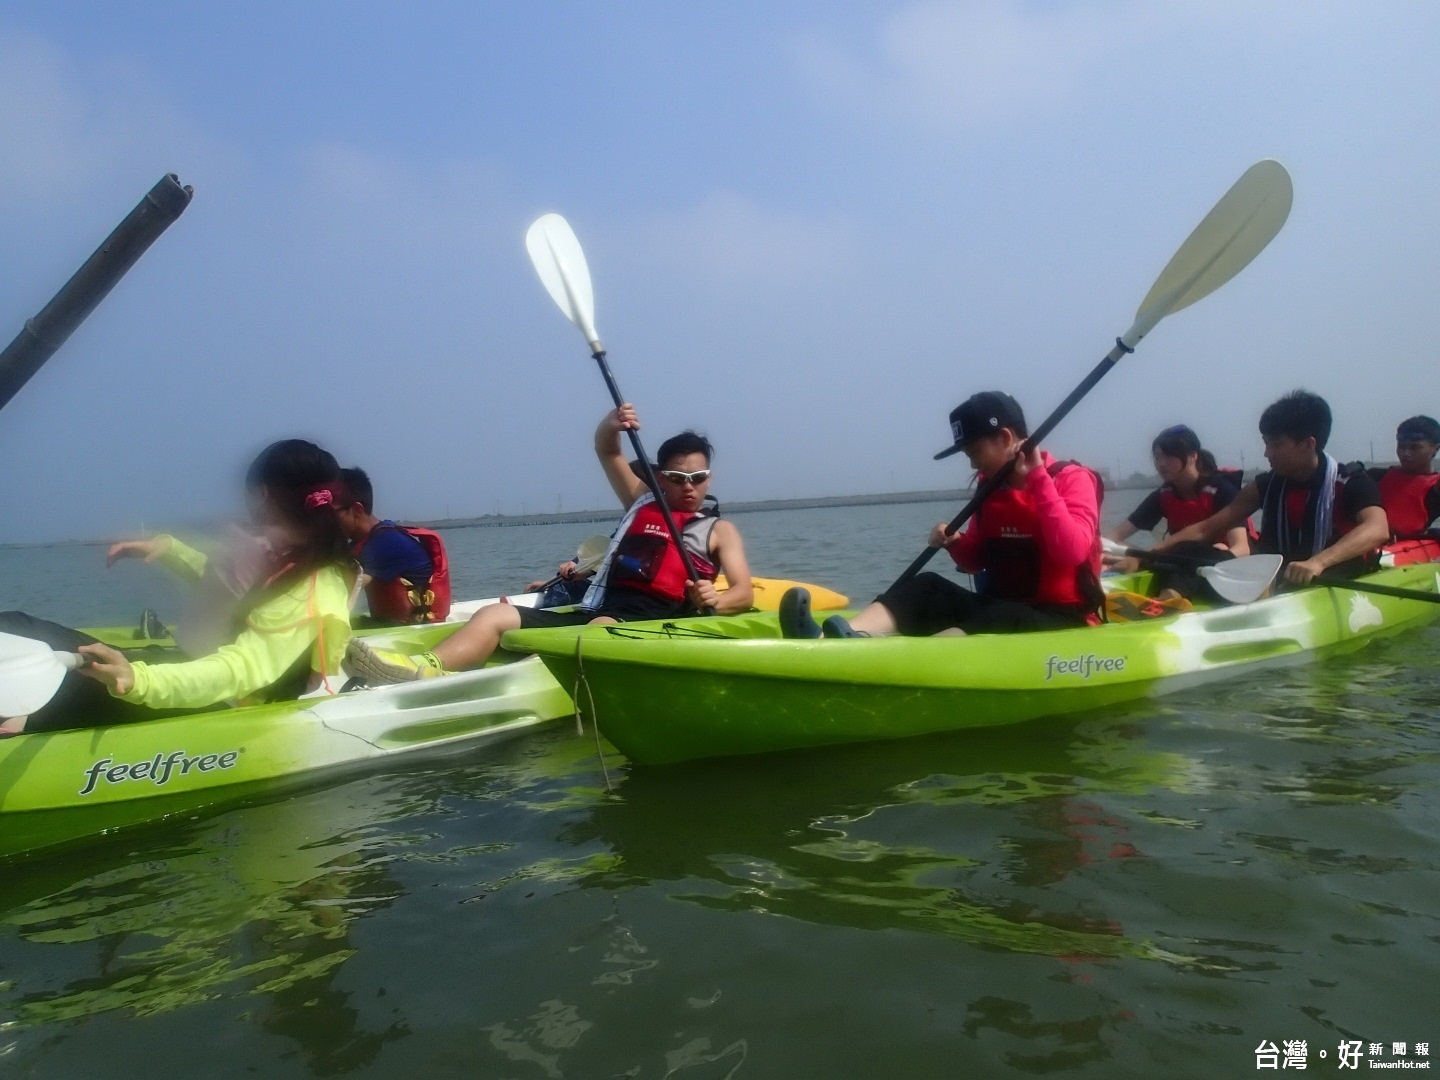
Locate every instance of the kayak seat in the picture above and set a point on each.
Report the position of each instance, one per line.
(1136, 607)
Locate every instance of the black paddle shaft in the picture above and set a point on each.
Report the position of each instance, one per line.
(990, 483)
(649, 472)
(1379, 590)
(46, 332)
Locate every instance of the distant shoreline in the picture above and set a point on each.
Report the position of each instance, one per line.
(502, 521)
(956, 495)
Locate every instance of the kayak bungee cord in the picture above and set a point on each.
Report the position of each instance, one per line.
(581, 680)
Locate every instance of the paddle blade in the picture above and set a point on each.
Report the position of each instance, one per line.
(560, 262)
(1242, 580)
(30, 673)
(1237, 229)
(592, 550)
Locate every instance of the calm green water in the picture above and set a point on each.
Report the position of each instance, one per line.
(1145, 892)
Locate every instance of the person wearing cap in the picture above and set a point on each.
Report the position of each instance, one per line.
(642, 576)
(1410, 491)
(1315, 515)
(1034, 545)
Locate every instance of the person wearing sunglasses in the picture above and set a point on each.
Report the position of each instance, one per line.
(642, 575)
(1033, 546)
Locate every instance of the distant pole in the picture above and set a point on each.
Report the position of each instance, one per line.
(1372, 452)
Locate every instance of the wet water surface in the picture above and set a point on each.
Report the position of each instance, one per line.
(1154, 890)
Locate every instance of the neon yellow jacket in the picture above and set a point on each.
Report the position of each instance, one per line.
(312, 614)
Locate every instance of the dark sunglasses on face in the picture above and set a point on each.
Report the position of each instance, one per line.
(678, 478)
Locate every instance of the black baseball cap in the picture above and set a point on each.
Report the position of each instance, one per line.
(980, 414)
(1418, 429)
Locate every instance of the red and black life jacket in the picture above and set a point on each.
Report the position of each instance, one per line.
(402, 600)
(1182, 513)
(1015, 566)
(647, 561)
(1403, 495)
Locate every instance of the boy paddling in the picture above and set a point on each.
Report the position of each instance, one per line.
(1034, 544)
(1318, 519)
(643, 575)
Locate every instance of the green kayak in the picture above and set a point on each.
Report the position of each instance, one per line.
(59, 786)
(712, 687)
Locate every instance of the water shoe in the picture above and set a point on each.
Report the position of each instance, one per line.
(380, 667)
(795, 618)
(837, 626)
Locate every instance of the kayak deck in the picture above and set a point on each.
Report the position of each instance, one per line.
(727, 686)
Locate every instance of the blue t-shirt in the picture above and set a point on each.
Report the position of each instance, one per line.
(392, 553)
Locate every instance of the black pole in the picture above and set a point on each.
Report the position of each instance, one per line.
(47, 331)
(988, 486)
(1379, 590)
(649, 472)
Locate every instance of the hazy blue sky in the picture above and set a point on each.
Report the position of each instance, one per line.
(812, 228)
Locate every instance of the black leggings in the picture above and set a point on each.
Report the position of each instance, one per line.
(929, 603)
(81, 702)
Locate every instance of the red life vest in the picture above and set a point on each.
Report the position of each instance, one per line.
(646, 559)
(1181, 513)
(405, 601)
(1403, 496)
(1015, 566)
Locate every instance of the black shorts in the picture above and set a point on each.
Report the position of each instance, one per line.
(929, 603)
(622, 605)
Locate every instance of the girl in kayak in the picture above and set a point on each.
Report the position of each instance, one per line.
(284, 635)
(1034, 546)
(642, 575)
(1192, 489)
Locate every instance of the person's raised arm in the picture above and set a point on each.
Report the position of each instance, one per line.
(627, 486)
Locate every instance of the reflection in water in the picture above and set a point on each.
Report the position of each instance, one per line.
(992, 903)
(262, 907)
(868, 843)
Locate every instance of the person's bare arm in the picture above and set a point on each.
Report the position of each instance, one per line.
(729, 552)
(1372, 530)
(1238, 541)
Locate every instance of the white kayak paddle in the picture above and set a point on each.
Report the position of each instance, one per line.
(1237, 580)
(560, 262)
(1238, 228)
(30, 673)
